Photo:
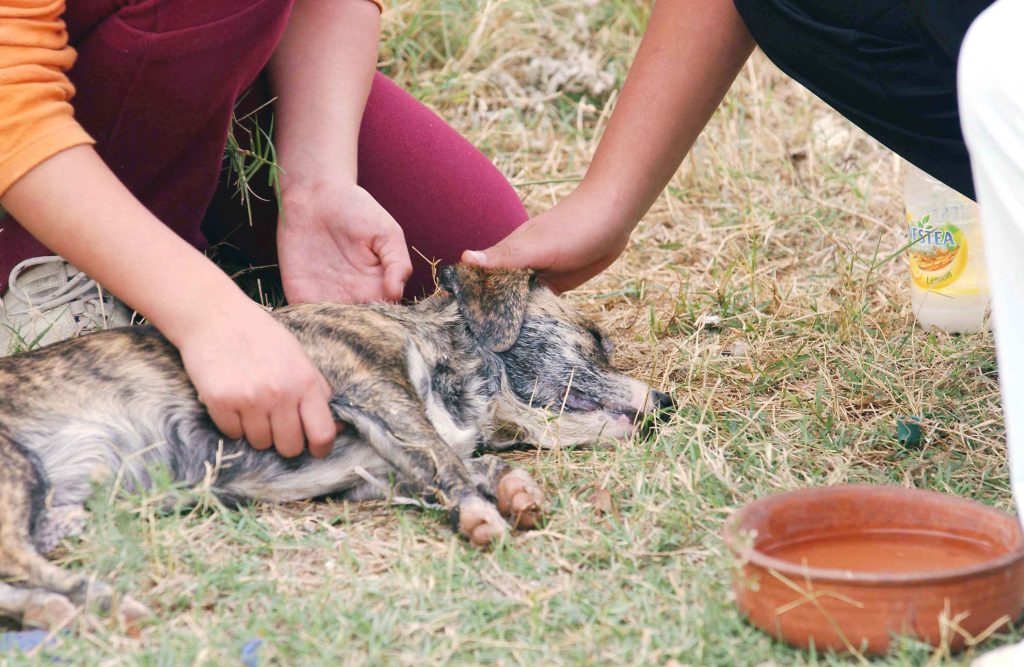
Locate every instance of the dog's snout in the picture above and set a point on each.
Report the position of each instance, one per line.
(663, 403)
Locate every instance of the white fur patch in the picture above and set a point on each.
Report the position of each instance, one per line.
(551, 430)
(317, 477)
(462, 439)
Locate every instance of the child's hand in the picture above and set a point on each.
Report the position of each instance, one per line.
(567, 245)
(336, 243)
(256, 380)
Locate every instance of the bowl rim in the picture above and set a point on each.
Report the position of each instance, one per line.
(797, 572)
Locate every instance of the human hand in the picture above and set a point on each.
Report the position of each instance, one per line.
(336, 243)
(256, 381)
(567, 245)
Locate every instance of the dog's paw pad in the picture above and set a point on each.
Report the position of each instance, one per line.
(132, 613)
(520, 499)
(132, 610)
(48, 611)
(480, 521)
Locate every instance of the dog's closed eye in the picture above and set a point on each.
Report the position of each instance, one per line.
(579, 402)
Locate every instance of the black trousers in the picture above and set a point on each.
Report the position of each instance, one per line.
(887, 65)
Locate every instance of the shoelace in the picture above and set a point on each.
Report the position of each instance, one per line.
(78, 287)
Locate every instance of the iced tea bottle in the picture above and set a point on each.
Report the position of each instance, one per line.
(948, 281)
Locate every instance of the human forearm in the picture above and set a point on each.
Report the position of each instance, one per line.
(336, 243)
(249, 371)
(321, 74)
(76, 206)
(689, 56)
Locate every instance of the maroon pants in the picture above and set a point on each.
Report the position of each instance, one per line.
(157, 81)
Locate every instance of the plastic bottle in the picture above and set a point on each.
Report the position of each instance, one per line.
(948, 282)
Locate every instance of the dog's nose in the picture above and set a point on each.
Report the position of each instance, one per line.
(663, 403)
(662, 400)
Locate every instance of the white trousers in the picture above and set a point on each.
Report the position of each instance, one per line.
(991, 92)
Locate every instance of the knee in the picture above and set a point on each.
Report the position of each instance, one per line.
(988, 66)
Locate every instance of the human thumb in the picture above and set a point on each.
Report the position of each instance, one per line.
(499, 255)
(397, 267)
(395, 277)
(474, 257)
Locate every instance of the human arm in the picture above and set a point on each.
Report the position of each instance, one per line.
(689, 56)
(335, 242)
(250, 372)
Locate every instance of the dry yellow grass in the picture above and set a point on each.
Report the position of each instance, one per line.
(755, 291)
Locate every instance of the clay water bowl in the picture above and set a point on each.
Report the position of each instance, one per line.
(850, 567)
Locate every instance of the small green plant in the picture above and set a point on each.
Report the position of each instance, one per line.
(249, 153)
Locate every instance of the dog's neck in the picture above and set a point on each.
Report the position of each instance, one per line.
(438, 318)
(467, 377)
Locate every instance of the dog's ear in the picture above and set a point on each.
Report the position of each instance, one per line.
(492, 301)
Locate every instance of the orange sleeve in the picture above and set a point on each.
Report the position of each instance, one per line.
(36, 117)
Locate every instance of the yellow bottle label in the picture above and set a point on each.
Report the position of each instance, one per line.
(938, 254)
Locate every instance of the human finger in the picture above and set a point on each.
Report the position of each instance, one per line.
(318, 425)
(286, 430)
(256, 424)
(227, 421)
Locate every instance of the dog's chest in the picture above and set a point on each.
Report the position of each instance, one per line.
(458, 405)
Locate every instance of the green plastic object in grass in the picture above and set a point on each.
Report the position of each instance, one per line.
(908, 431)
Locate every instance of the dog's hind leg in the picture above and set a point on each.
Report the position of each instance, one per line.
(29, 600)
(51, 590)
(517, 496)
(393, 423)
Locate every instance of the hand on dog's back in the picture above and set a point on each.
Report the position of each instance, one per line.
(256, 381)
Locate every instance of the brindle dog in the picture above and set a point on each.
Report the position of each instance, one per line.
(491, 360)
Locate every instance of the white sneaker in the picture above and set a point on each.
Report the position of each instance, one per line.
(1004, 656)
(49, 300)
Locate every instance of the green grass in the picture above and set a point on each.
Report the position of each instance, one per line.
(765, 290)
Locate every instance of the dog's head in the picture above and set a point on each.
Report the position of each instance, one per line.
(558, 385)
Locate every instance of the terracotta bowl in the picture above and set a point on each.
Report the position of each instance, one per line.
(850, 567)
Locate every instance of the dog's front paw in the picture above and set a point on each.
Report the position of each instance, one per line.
(480, 521)
(520, 499)
(48, 610)
(131, 614)
(131, 610)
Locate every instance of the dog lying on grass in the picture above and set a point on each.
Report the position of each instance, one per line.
(489, 361)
